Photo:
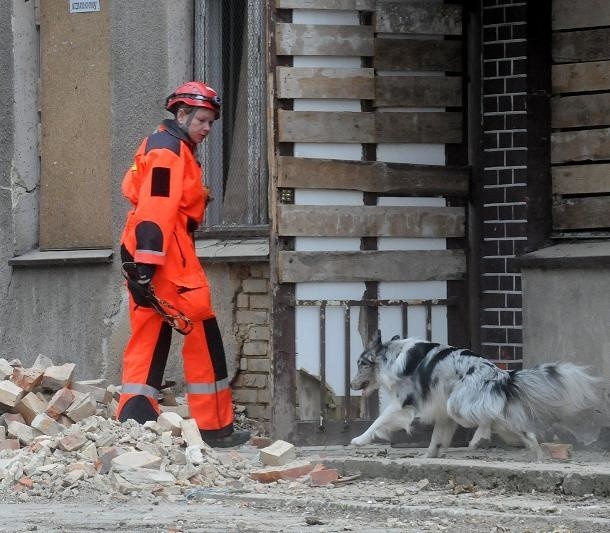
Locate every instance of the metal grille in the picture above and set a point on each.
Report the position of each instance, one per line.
(345, 417)
(229, 55)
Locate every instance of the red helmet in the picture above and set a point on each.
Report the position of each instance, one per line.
(196, 94)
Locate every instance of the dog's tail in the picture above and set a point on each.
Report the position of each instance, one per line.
(554, 391)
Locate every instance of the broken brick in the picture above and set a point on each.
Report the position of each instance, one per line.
(26, 378)
(60, 401)
(279, 453)
(290, 471)
(323, 476)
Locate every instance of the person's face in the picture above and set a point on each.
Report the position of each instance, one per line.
(198, 123)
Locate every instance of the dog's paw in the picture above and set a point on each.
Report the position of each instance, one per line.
(360, 441)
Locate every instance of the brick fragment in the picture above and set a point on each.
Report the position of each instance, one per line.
(321, 476)
(261, 442)
(26, 378)
(7, 418)
(47, 425)
(23, 432)
(10, 394)
(99, 394)
(72, 441)
(42, 362)
(60, 401)
(56, 377)
(277, 454)
(84, 405)
(9, 444)
(558, 451)
(26, 482)
(29, 406)
(181, 410)
(191, 433)
(130, 460)
(170, 422)
(290, 471)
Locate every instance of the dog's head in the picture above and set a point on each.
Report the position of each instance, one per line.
(366, 379)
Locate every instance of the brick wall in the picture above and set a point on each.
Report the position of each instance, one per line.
(504, 84)
(252, 330)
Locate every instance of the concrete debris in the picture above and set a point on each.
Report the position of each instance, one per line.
(277, 454)
(59, 436)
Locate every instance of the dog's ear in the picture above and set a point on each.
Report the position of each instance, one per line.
(395, 338)
(375, 341)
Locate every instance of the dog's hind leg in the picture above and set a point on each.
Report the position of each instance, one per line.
(529, 439)
(483, 432)
(392, 418)
(441, 436)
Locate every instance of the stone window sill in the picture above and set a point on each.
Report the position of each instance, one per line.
(590, 254)
(38, 258)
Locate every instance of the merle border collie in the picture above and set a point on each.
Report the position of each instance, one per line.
(447, 387)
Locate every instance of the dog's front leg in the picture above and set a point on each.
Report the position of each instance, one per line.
(390, 419)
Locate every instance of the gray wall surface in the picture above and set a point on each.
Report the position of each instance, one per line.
(79, 313)
(566, 317)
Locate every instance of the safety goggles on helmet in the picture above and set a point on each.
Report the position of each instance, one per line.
(215, 100)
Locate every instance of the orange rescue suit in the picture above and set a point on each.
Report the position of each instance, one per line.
(165, 188)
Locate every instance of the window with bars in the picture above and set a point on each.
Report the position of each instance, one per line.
(230, 56)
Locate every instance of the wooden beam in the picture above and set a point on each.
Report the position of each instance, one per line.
(418, 18)
(321, 126)
(579, 77)
(357, 83)
(367, 127)
(411, 54)
(582, 213)
(420, 265)
(581, 179)
(372, 176)
(588, 145)
(418, 127)
(351, 5)
(418, 91)
(579, 46)
(589, 13)
(370, 221)
(580, 111)
(323, 40)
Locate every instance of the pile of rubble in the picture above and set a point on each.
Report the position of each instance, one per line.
(59, 436)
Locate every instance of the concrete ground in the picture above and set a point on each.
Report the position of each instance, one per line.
(381, 489)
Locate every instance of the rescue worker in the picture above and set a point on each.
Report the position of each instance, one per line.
(164, 185)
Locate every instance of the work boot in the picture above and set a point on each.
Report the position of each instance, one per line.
(236, 438)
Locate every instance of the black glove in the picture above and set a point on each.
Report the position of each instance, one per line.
(145, 273)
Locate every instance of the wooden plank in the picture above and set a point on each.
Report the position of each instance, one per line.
(419, 127)
(320, 126)
(324, 40)
(370, 221)
(421, 55)
(588, 13)
(358, 83)
(582, 213)
(418, 91)
(372, 176)
(580, 111)
(588, 145)
(351, 5)
(418, 18)
(373, 265)
(580, 46)
(579, 77)
(581, 179)
(363, 127)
